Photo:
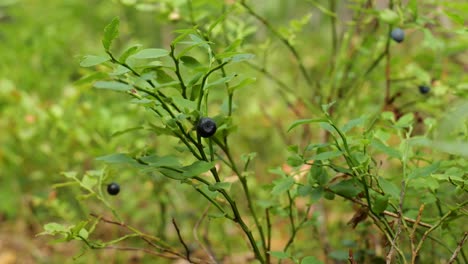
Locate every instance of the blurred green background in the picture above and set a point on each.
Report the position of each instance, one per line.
(49, 124)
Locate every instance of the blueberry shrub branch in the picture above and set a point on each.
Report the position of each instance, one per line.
(354, 156)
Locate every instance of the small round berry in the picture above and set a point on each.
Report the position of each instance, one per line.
(113, 188)
(206, 127)
(398, 35)
(424, 89)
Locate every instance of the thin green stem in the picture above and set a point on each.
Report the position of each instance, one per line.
(243, 181)
(436, 225)
(205, 78)
(291, 222)
(268, 246)
(334, 33)
(177, 72)
(237, 216)
(286, 42)
(297, 228)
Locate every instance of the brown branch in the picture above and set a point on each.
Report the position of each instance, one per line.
(413, 232)
(458, 249)
(147, 251)
(399, 223)
(268, 247)
(187, 250)
(436, 225)
(285, 41)
(387, 213)
(100, 218)
(351, 257)
(143, 236)
(207, 250)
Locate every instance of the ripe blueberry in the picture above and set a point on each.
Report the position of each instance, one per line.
(424, 89)
(397, 35)
(206, 127)
(113, 188)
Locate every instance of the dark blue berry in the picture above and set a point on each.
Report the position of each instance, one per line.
(206, 127)
(398, 35)
(113, 188)
(424, 89)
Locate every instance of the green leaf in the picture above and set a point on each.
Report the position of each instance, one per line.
(194, 79)
(390, 116)
(329, 195)
(326, 107)
(241, 84)
(389, 188)
(268, 203)
(91, 60)
(119, 158)
(316, 194)
(455, 17)
(424, 171)
(70, 174)
(54, 228)
(389, 16)
(318, 174)
(219, 186)
(328, 127)
(164, 161)
(119, 71)
(304, 190)
(91, 78)
(83, 233)
(385, 149)
(328, 155)
(340, 169)
(322, 8)
(424, 183)
(353, 123)
(161, 130)
(78, 228)
(221, 81)
(124, 131)
(282, 185)
(279, 254)
(199, 41)
(413, 6)
(184, 104)
(347, 188)
(190, 62)
(171, 173)
(112, 85)
(233, 46)
(295, 160)
(88, 181)
(311, 260)
(111, 31)
(405, 121)
(241, 57)
(380, 204)
(339, 255)
(277, 171)
(306, 121)
(184, 33)
(235, 56)
(150, 54)
(128, 52)
(197, 168)
(217, 22)
(452, 147)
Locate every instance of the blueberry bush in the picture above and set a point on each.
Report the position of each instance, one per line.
(246, 131)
